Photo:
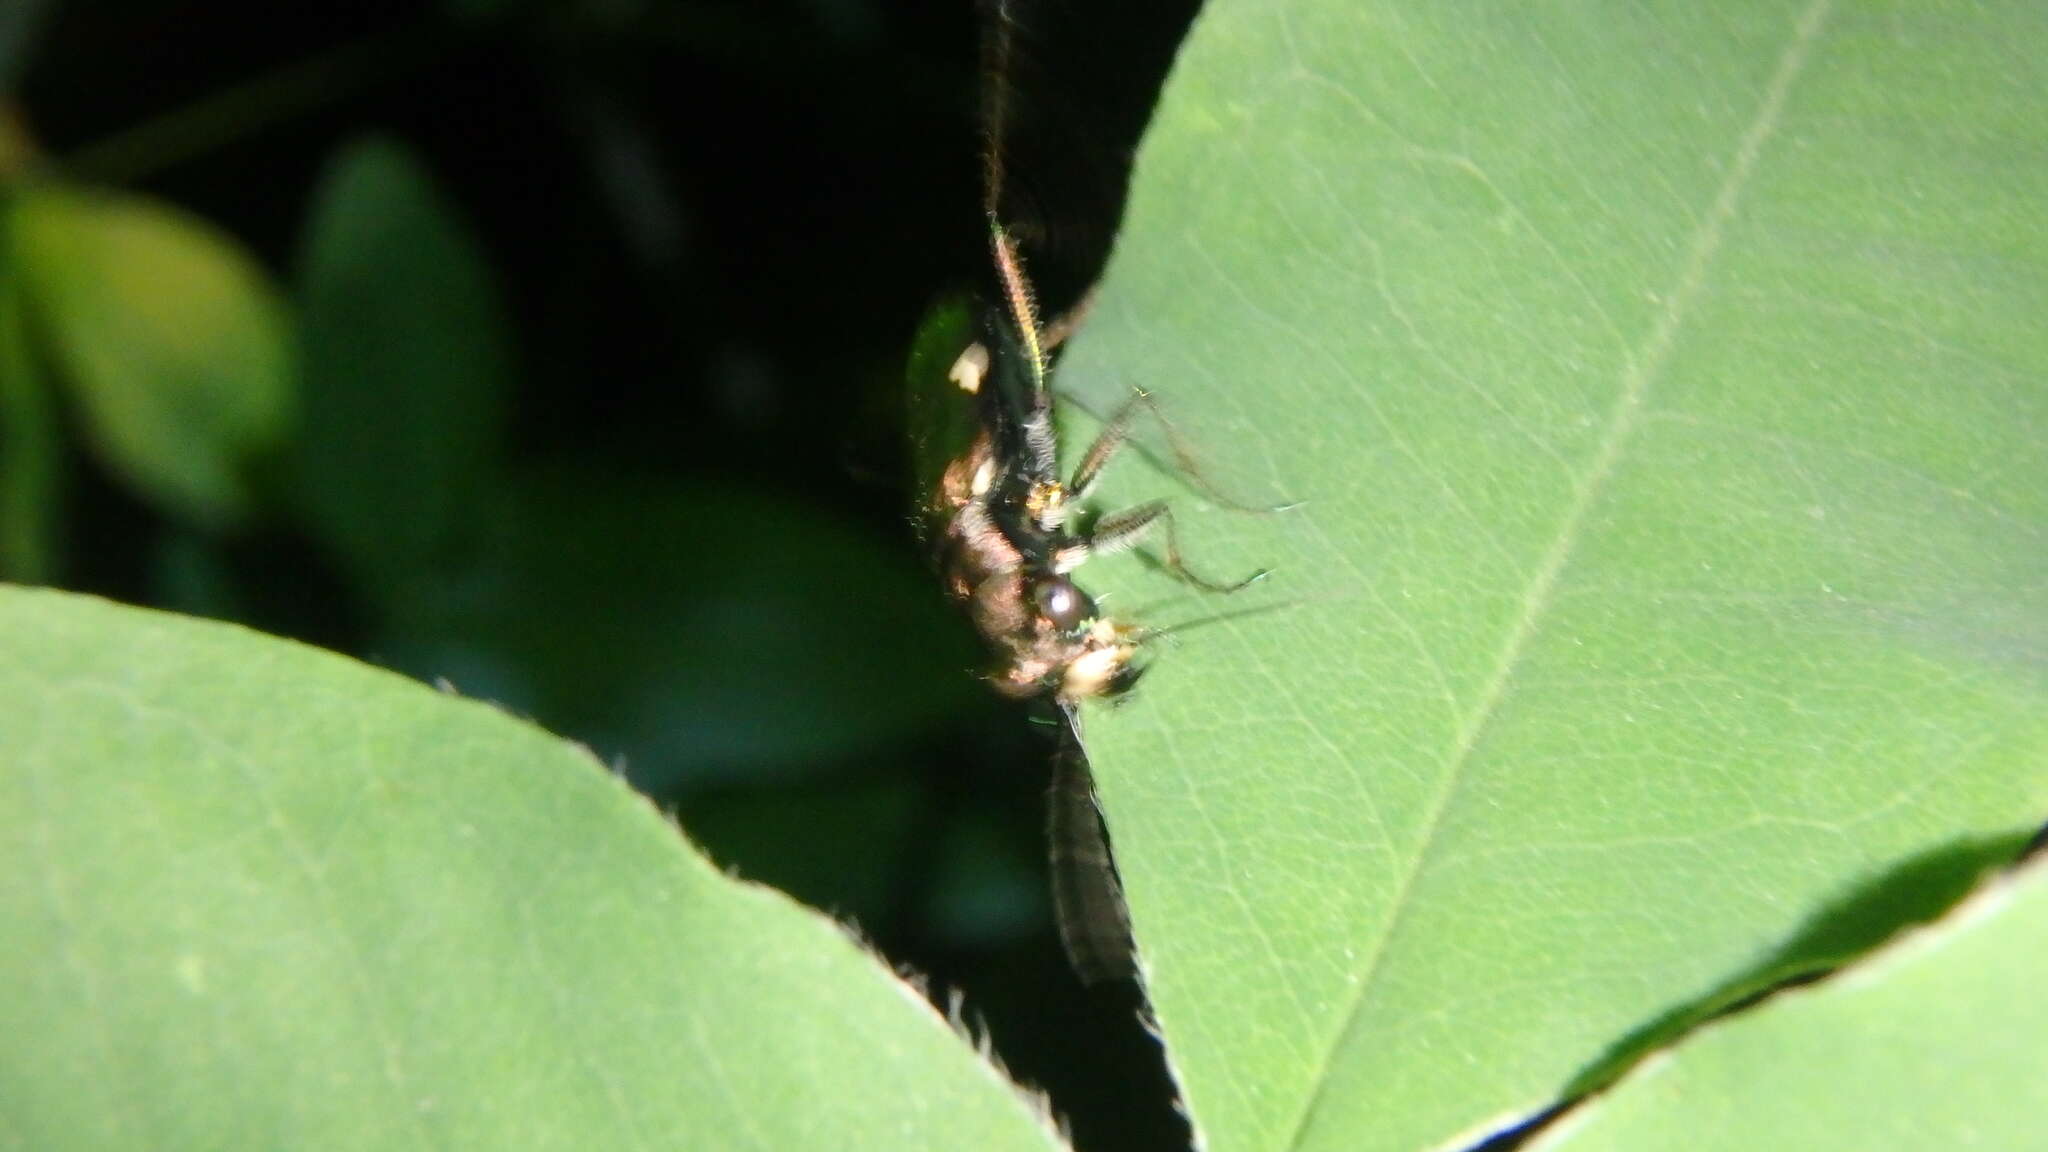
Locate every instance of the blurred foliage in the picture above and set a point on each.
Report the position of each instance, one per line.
(737, 658)
(408, 363)
(174, 344)
(550, 349)
(28, 435)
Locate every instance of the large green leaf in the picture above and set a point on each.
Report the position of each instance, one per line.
(406, 361)
(1945, 1028)
(1666, 385)
(259, 896)
(174, 341)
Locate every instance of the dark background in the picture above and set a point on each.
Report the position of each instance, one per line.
(712, 229)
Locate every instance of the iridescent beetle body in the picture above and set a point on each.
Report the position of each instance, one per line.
(1046, 639)
(1003, 530)
(996, 522)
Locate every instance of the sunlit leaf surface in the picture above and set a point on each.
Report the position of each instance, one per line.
(1666, 385)
(1935, 1043)
(259, 896)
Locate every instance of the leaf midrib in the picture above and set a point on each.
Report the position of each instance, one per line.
(1622, 421)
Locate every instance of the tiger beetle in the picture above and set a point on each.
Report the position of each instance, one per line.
(1006, 534)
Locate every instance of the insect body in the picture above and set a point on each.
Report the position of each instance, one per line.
(1003, 546)
(1004, 526)
(1006, 532)
(996, 521)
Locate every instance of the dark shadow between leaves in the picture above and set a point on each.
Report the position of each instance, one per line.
(1916, 891)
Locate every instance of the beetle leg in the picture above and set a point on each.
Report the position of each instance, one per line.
(1124, 530)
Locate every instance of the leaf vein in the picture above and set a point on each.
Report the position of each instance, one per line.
(1622, 420)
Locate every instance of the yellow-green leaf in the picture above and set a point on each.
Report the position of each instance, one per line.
(174, 342)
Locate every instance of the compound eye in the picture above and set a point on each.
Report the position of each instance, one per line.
(1065, 606)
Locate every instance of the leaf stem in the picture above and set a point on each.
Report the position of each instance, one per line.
(224, 117)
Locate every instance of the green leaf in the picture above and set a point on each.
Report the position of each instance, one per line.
(407, 356)
(1665, 385)
(175, 343)
(1944, 1028)
(260, 896)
